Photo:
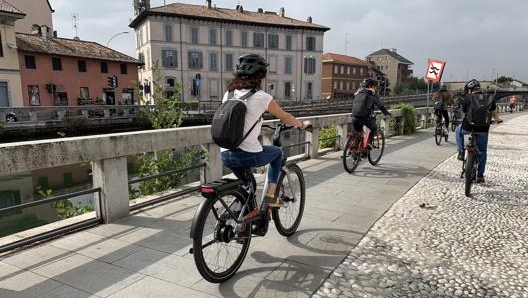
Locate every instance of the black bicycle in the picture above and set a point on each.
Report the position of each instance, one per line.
(440, 132)
(223, 224)
(469, 165)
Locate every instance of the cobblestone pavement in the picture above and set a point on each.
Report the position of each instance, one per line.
(452, 246)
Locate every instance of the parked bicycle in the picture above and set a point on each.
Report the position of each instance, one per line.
(220, 232)
(440, 130)
(356, 149)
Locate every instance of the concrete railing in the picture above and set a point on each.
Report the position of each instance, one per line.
(108, 153)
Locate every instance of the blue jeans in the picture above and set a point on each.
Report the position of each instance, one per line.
(237, 160)
(481, 141)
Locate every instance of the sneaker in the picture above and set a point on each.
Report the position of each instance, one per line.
(480, 179)
(461, 155)
(272, 202)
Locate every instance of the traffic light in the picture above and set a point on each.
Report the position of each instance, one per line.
(112, 81)
(146, 88)
(271, 86)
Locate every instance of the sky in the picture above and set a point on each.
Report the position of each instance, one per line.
(477, 39)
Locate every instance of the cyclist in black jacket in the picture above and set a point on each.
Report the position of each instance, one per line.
(363, 108)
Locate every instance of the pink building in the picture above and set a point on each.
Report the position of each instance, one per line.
(68, 72)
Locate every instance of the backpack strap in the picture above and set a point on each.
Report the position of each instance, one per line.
(244, 97)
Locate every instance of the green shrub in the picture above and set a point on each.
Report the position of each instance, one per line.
(409, 118)
(327, 137)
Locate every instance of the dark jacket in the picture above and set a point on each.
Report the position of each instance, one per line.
(364, 103)
(465, 108)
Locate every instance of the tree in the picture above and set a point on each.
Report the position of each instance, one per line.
(164, 165)
(503, 79)
(412, 86)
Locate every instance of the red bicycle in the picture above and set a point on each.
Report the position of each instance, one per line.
(357, 147)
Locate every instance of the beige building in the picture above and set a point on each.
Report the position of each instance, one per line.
(197, 46)
(10, 85)
(38, 12)
(396, 68)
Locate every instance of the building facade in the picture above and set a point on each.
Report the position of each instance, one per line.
(68, 72)
(197, 47)
(342, 75)
(396, 68)
(38, 13)
(10, 90)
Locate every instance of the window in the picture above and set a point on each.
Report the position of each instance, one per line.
(244, 39)
(1, 46)
(68, 179)
(229, 61)
(287, 89)
(229, 38)
(258, 40)
(9, 198)
(335, 69)
(273, 41)
(194, 35)
(288, 42)
(310, 43)
(213, 61)
(195, 60)
(43, 182)
(30, 61)
(167, 30)
(342, 69)
(168, 58)
(34, 95)
(56, 63)
(212, 36)
(309, 65)
(124, 68)
(288, 65)
(309, 90)
(104, 67)
(84, 92)
(141, 58)
(170, 84)
(81, 65)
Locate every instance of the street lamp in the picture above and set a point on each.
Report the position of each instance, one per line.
(108, 42)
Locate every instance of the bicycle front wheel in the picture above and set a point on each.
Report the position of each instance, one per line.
(350, 154)
(378, 146)
(470, 172)
(218, 253)
(292, 190)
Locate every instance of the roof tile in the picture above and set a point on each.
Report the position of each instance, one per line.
(69, 47)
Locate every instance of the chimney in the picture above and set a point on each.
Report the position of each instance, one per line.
(44, 31)
(208, 4)
(394, 50)
(309, 19)
(281, 12)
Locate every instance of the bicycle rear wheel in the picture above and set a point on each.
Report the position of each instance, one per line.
(292, 190)
(470, 172)
(218, 254)
(350, 154)
(438, 135)
(378, 146)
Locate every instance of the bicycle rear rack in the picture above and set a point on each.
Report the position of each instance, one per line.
(218, 186)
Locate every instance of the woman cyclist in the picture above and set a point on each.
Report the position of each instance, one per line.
(442, 100)
(249, 73)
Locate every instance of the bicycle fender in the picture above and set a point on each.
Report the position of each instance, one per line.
(197, 214)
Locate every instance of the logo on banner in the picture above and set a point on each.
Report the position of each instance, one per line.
(435, 69)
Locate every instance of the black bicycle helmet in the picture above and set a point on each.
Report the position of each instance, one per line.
(368, 82)
(472, 85)
(250, 64)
